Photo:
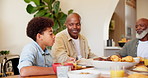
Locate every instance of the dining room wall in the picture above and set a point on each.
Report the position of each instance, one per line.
(142, 7)
(13, 21)
(95, 14)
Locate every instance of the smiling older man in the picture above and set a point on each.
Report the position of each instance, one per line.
(138, 46)
(70, 45)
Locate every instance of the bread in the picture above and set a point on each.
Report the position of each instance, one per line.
(136, 75)
(115, 58)
(141, 59)
(141, 68)
(128, 59)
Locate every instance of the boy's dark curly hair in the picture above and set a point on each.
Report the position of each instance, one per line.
(38, 25)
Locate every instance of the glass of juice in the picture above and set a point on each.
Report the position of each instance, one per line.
(146, 61)
(117, 71)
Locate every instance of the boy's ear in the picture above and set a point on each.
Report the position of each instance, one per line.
(38, 36)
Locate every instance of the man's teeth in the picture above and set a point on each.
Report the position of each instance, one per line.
(74, 31)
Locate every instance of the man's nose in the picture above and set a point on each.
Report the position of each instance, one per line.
(75, 26)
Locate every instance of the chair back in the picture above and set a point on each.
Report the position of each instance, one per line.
(15, 62)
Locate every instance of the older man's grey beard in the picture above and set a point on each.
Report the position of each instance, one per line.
(140, 36)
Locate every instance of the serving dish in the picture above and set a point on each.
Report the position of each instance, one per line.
(108, 64)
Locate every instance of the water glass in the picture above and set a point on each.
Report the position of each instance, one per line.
(62, 71)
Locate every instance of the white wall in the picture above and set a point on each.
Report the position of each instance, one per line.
(142, 9)
(13, 21)
(96, 15)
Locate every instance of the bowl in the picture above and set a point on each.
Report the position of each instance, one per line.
(121, 44)
(108, 64)
(55, 65)
(83, 74)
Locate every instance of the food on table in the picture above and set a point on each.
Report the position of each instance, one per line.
(115, 58)
(128, 59)
(123, 40)
(75, 65)
(141, 59)
(100, 59)
(136, 75)
(141, 68)
(84, 73)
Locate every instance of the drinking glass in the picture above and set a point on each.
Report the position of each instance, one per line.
(146, 61)
(62, 71)
(117, 71)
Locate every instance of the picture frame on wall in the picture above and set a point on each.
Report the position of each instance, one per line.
(129, 31)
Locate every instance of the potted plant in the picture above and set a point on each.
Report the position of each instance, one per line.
(4, 52)
(48, 8)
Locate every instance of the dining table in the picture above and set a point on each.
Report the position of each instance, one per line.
(104, 73)
(50, 76)
(44, 76)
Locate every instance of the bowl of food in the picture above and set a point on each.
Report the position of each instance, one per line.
(114, 60)
(121, 44)
(83, 74)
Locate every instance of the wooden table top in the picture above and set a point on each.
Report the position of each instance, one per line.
(18, 76)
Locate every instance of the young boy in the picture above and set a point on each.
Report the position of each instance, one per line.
(35, 59)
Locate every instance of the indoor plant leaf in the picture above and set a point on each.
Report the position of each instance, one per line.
(47, 15)
(47, 1)
(27, 1)
(40, 13)
(51, 9)
(37, 2)
(51, 1)
(62, 18)
(30, 9)
(70, 11)
(55, 27)
(56, 7)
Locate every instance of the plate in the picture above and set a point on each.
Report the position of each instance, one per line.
(108, 64)
(131, 71)
(83, 74)
(140, 72)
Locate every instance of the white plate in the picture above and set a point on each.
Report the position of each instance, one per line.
(108, 64)
(140, 72)
(77, 74)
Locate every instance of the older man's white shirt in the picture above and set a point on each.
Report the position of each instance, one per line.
(142, 49)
